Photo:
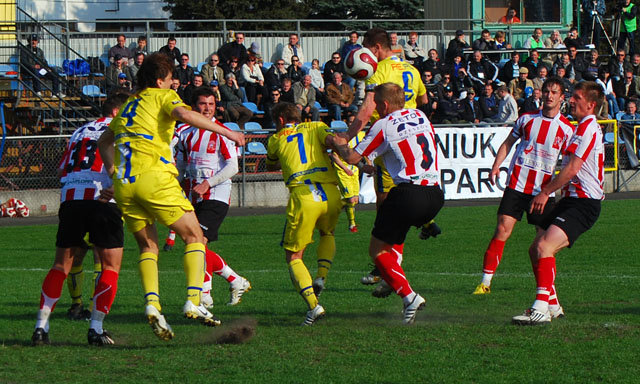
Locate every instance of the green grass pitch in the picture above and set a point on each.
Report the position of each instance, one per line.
(458, 338)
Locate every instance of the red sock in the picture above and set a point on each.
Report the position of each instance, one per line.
(106, 291)
(492, 256)
(52, 288)
(393, 274)
(545, 276)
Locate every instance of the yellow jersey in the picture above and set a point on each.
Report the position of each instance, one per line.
(352, 144)
(143, 130)
(302, 154)
(397, 71)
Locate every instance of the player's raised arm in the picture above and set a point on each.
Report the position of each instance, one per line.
(503, 151)
(363, 116)
(197, 120)
(341, 145)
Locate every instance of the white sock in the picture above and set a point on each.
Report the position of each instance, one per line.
(227, 273)
(43, 318)
(409, 298)
(97, 318)
(486, 279)
(206, 286)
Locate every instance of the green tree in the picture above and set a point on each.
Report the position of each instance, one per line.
(367, 9)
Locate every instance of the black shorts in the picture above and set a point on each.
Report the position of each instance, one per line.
(574, 216)
(515, 203)
(210, 214)
(103, 222)
(406, 205)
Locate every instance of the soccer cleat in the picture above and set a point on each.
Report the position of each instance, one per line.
(237, 290)
(411, 309)
(158, 323)
(99, 339)
(372, 277)
(167, 247)
(382, 290)
(353, 228)
(40, 337)
(556, 313)
(532, 316)
(206, 300)
(432, 230)
(318, 286)
(77, 312)
(313, 315)
(191, 311)
(482, 289)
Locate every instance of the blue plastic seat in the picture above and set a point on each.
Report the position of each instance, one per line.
(254, 128)
(322, 110)
(92, 90)
(256, 148)
(233, 126)
(339, 125)
(253, 107)
(7, 70)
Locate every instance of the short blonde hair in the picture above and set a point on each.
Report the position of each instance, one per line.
(391, 93)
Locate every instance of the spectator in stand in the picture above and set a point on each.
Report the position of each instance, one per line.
(171, 50)
(510, 17)
(215, 88)
(339, 98)
(287, 91)
(190, 89)
(629, 23)
(331, 66)
(533, 103)
(448, 108)
(212, 70)
(484, 43)
(626, 88)
(444, 82)
(113, 71)
(253, 81)
(543, 73)
(578, 63)
(500, 43)
(120, 49)
(461, 83)
(592, 66)
(470, 111)
(507, 106)
(456, 46)
(481, 71)
(573, 40)
(413, 53)
(554, 41)
(511, 69)
(294, 71)
(589, 9)
(123, 84)
(276, 74)
(455, 66)
(36, 67)
(533, 62)
(132, 70)
(231, 97)
(141, 47)
(274, 98)
(427, 78)
(292, 49)
(350, 44)
(568, 87)
(304, 97)
(635, 64)
(234, 48)
(535, 40)
(184, 72)
(254, 49)
(235, 68)
(175, 85)
(488, 103)
(517, 87)
(604, 80)
(317, 81)
(565, 62)
(433, 64)
(627, 121)
(619, 66)
(396, 49)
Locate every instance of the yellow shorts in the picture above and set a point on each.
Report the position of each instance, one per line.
(310, 206)
(383, 181)
(153, 195)
(349, 185)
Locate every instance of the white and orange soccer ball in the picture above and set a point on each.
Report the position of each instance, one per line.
(361, 64)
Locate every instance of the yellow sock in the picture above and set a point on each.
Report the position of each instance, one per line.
(429, 223)
(97, 271)
(74, 283)
(148, 265)
(350, 208)
(301, 280)
(193, 261)
(326, 252)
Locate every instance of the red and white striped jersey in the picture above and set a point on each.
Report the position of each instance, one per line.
(81, 167)
(406, 141)
(586, 143)
(199, 155)
(542, 140)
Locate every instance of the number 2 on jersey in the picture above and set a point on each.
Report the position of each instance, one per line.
(130, 111)
(301, 149)
(407, 79)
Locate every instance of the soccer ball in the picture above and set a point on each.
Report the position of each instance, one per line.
(361, 64)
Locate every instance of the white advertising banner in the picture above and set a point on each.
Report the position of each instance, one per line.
(465, 157)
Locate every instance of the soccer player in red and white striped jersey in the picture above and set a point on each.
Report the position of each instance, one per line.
(207, 161)
(405, 140)
(542, 137)
(581, 180)
(84, 208)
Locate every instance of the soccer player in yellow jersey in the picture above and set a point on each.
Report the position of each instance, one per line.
(391, 69)
(314, 200)
(146, 188)
(349, 183)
